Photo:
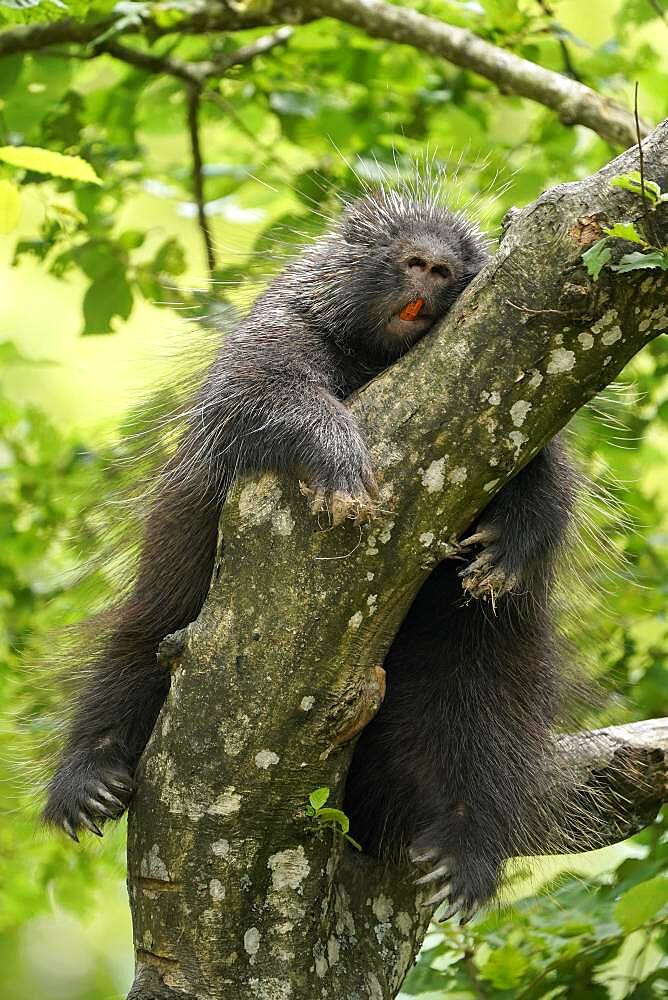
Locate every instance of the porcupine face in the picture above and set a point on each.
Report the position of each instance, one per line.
(408, 260)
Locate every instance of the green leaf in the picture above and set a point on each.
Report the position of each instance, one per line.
(641, 903)
(107, 297)
(505, 967)
(318, 797)
(170, 258)
(10, 207)
(335, 816)
(44, 161)
(625, 231)
(596, 257)
(633, 182)
(638, 261)
(131, 239)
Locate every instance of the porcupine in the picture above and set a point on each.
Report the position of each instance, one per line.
(456, 763)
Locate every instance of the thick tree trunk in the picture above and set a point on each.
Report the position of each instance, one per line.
(235, 892)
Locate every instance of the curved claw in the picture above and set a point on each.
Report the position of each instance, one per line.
(102, 792)
(419, 855)
(443, 871)
(70, 831)
(454, 908)
(485, 535)
(86, 822)
(468, 915)
(122, 782)
(100, 807)
(485, 559)
(438, 897)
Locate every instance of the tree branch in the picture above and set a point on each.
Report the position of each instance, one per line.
(575, 103)
(234, 891)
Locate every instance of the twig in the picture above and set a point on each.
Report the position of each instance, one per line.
(195, 73)
(648, 220)
(565, 52)
(655, 5)
(193, 95)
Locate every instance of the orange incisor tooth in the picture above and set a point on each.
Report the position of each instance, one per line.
(412, 310)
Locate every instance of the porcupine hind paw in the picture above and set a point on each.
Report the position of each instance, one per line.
(493, 572)
(447, 884)
(89, 787)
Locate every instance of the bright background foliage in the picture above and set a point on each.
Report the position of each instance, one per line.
(98, 281)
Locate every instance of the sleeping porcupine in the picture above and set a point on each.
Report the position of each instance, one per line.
(456, 761)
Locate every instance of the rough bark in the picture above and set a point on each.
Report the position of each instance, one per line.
(234, 892)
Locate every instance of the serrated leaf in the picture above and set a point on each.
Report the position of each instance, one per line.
(625, 231)
(632, 181)
(318, 797)
(637, 261)
(10, 207)
(44, 161)
(505, 967)
(596, 257)
(335, 816)
(641, 903)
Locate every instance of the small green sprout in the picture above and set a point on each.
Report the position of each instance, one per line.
(599, 253)
(335, 819)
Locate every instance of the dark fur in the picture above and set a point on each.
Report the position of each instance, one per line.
(457, 760)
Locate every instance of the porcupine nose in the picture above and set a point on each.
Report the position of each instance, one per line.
(427, 266)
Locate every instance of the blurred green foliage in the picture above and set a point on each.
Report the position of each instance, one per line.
(282, 139)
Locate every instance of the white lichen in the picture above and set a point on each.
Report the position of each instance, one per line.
(288, 868)
(518, 412)
(517, 439)
(252, 942)
(488, 487)
(560, 361)
(586, 340)
(611, 336)
(307, 703)
(356, 620)
(152, 865)
(426, 538)
(383, 908)
(282, 522)
(374, 987)
(216, 890)
(333, 951)
(265, 759)
(226, 804)
(495, 398)
(458, 475)
(434, 477)
(221, 848)
(321, 963)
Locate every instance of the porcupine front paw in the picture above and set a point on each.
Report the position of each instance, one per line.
(494, 572)
(349, 494)
(89, 787)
